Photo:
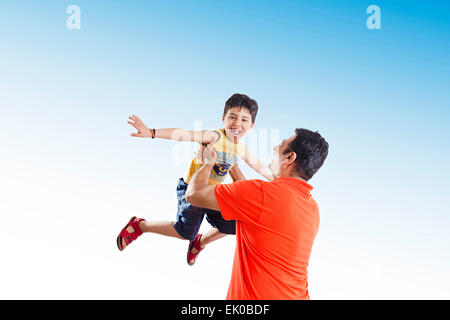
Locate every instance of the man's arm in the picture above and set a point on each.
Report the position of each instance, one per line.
(236, 173)
(177, 134)
(199, 193)
(241, 200)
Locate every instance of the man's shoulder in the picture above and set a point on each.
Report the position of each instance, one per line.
(250, 183)
(242, 186)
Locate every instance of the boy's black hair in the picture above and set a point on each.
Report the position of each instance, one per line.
(242, 100)
(311, 149)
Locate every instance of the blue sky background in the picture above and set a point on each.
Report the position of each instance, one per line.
(72, 176)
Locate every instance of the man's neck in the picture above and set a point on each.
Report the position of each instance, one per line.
(289, 175)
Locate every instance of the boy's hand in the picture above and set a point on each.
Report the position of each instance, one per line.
(143, 130)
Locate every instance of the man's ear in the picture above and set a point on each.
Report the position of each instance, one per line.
(291, 158)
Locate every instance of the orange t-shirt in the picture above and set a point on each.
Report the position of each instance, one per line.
(276, 223)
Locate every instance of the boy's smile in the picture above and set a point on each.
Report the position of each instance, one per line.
(235, 132)
(237, 122)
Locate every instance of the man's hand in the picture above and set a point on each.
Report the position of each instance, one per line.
(206, 154)
(143, 130)
(199, 152)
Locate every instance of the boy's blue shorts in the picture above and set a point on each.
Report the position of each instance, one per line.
(189, 217)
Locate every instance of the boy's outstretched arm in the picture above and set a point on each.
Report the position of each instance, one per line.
(257, 165)
(177, 134)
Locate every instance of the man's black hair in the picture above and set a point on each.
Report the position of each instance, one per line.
(242, 100)
(311, 149)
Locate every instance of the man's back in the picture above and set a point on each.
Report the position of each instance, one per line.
(276, 223)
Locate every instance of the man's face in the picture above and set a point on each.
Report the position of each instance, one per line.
(279, 159)
(237, 122)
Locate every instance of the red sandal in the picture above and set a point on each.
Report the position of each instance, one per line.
(194, 244)
(129, 237)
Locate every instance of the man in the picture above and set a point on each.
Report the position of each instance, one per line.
(276, 222)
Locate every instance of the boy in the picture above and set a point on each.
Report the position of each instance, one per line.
(238, 118)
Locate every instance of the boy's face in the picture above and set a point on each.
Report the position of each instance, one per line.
(237, 122)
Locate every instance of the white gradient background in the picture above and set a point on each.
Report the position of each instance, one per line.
(71, 176)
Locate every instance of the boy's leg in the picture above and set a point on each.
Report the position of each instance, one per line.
(210, 236)
(186, 225)
(221, 228)
(164, 228)
(205, 239)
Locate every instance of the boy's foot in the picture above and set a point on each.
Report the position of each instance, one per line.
(129, 233)
(194, 249)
